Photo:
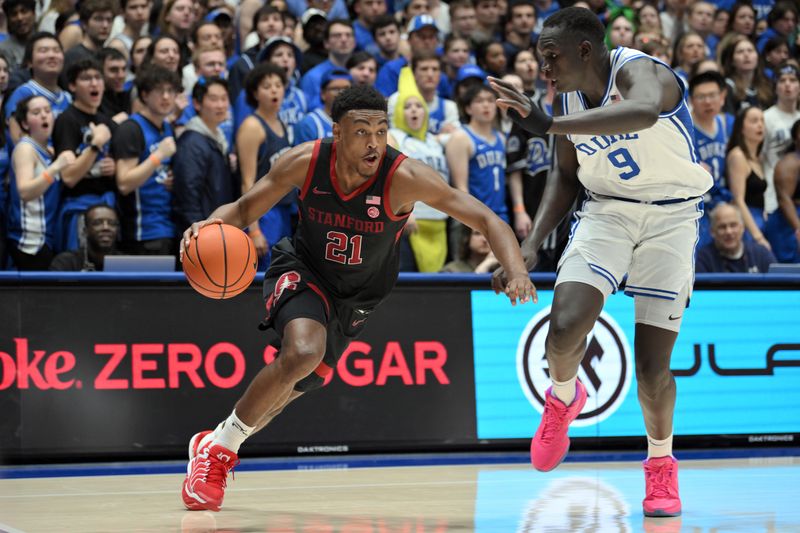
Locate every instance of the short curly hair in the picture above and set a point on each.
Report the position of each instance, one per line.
(256, 76)
(358, 97)
(150, 77)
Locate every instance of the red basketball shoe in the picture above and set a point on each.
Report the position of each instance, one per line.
(196, 442)
(206, 475)
(661, 487)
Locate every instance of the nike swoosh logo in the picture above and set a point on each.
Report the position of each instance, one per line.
(674, 317)
(317, 191)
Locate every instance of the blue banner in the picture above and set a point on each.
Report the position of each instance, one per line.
(736, 361)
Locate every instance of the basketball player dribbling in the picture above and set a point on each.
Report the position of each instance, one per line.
(355, 197)
(625, 134)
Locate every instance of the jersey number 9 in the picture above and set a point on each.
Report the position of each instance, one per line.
(621, 159)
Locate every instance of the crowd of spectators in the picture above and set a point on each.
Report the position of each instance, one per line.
(126, 121)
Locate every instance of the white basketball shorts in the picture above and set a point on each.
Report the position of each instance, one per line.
(652, 244)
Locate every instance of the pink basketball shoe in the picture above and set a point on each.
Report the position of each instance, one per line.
(661, 487)
(551, 443)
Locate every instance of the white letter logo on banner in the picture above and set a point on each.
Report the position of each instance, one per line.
(606, 370)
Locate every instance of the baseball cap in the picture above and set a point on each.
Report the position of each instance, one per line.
(311, 13)
(335, 74)
(218, 13)
(470, 71)
(421, 21)
(272, 43)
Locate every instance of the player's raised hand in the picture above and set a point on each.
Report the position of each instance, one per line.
(510, 97)
(192, 232)
(520, 108)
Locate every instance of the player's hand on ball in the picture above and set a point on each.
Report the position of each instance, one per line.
(192, 232)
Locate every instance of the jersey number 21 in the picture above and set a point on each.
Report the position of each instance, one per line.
(342, 250)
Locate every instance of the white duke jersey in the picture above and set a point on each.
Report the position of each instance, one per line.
(657, 163)
(431, 153)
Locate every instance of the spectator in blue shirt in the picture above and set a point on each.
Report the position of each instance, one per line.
(544, 8)
(363, 68)
(730, 252)
(44, 55)
(782, 22)
(335, 8)
(521, 21)
(366, 13)
(340, 41)
(143, 147)
(318, 123)
(282, 52)
(423, 38)
(267, 23)
(386, 35)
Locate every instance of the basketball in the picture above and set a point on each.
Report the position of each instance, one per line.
(221, 262)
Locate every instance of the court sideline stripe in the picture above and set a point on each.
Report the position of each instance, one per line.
(363, 461)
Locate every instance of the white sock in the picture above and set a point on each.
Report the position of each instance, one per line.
(565, 390)
(232, 433)
(659, 448)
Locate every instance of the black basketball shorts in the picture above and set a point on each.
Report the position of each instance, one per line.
(297, 294)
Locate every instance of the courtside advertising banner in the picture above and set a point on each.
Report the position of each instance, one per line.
(114, 370)
(736, 364)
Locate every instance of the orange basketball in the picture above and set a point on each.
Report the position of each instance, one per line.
(221, 262)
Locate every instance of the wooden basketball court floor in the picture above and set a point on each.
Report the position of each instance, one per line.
(721, 495)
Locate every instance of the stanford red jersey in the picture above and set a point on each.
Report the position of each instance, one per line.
(349, 241)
